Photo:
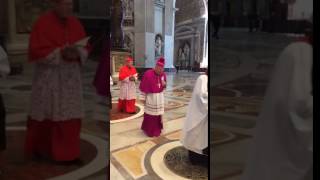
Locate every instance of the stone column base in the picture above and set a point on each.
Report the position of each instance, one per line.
(18, 56)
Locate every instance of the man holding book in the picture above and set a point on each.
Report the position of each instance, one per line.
(54, 121)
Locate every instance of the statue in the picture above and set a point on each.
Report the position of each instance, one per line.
(186, 51)
(181, 57)
(158, 45)
(128, 9)
(180, 52)
(128, 44)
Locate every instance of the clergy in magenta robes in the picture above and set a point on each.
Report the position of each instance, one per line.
(152, 86)
(127, 77)
(195, 128)
(54, 121)
(101, 80)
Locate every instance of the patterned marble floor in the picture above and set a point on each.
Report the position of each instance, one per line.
(134, 155)
(94, 145)
(242, 65)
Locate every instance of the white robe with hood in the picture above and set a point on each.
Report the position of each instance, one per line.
(195, 129)
(282, 146)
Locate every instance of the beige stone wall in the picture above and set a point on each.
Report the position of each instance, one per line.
(3, 16)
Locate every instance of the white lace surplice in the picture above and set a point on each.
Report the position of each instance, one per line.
(57, 89)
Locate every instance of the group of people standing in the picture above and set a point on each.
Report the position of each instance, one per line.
(56, 111)
(152, 86)
(55, 118)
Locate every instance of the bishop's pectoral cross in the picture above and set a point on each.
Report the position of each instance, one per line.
(159, 83)
(162, 79)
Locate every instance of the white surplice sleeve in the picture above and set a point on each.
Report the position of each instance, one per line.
(54, 58)
(300, 95)
(83, 54)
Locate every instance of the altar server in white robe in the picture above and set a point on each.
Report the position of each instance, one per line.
(195, 129)
(282, 146)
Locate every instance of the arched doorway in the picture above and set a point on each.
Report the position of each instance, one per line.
(191, 35)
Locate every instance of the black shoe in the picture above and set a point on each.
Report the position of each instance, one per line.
(38, 157)
(76, 162)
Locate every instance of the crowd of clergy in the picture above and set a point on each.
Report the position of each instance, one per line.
(282, 147)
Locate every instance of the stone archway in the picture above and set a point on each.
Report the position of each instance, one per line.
(191, 28)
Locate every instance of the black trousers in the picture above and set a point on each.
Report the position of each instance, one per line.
(2, 125)
(200, 159)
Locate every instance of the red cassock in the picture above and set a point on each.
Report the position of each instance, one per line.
(127, 97)
(53, 126)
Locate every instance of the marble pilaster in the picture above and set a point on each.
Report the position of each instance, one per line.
(169, 33)
(16, 44)
(152, 18)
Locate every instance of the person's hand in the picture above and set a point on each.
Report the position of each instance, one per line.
(164, 84)
(143, 102)
(70, 53)
(132, 78)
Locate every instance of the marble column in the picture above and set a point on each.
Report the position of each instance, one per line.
(116, 25)
(169, 33)
(118, 52)
(16, 44)
(150, 20)
(192, 51)
(143, 30)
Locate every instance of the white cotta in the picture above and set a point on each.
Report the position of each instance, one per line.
(57, 88)
(282, 147)
(128, 89)
(154, 103)
(195, 128)
(111, 81)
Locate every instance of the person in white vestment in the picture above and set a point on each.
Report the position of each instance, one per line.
(195, 128)
(282, 147)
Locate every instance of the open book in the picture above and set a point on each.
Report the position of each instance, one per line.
(83, 42)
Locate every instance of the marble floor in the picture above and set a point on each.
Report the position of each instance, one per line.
(240, 70)
(94, 134)
(242, 65)
(136, 156)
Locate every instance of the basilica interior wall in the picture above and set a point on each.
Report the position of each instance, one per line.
(3, 22)
(3, 17)
(188, 10)
(301, 9)
(189, 34)
(288, 16)
(18, 16)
